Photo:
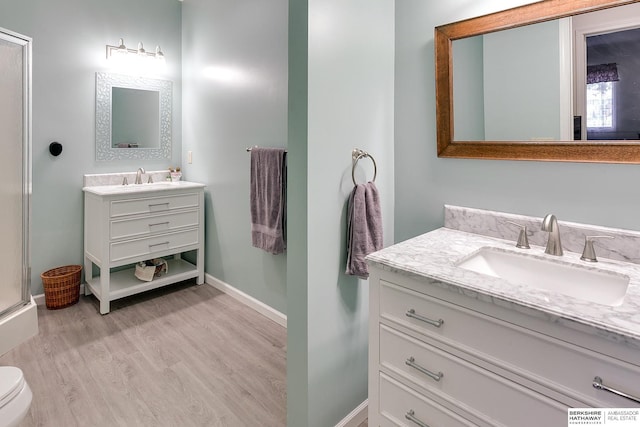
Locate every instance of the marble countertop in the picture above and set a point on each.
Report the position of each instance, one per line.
(434, 256)
(112, 190)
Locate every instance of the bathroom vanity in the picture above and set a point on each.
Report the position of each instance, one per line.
(450, 346)
(126, 224)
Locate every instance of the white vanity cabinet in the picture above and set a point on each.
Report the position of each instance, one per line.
(124, 227)
(438, 357)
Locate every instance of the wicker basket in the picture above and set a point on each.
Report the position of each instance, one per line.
(61, 286)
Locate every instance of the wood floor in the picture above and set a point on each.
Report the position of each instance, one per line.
(181, 356)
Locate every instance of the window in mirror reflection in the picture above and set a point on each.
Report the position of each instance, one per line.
(601, 79)
(600, 106)
(613, 85)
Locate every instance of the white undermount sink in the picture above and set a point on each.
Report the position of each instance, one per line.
(595, 285)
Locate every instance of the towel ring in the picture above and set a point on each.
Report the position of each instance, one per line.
(358, 154)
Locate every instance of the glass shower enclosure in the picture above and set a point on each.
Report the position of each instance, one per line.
(15, 173)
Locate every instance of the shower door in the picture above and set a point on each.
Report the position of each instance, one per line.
(15, 172)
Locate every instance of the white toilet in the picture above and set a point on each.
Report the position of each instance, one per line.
(15, 396)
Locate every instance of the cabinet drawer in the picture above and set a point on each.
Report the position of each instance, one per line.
(555, 364)
(152, 204)
(153, 224)
(492, 397)
(397, 402)
(151, 246)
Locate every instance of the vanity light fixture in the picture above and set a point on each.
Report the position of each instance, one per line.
(122, 50)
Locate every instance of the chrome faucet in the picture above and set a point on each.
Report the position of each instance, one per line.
(554, 246)
(139, 175)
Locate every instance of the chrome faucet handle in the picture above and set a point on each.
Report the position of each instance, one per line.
(523, 241)
(589, 253)
(124, 181)
(150, 180)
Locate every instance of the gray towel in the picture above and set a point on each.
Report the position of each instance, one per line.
(268, 199)
(364, 228)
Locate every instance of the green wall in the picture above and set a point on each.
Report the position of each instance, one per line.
(69, 39)
(297, 223)
(522, 83)
(234, 97)
(468, 96)
(347, 64)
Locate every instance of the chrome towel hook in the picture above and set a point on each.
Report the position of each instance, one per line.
(356, 155)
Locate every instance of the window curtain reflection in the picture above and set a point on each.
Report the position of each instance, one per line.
(602, 73)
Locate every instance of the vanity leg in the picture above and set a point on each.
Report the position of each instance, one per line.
(88, 275)
(200, 266)
(104, 290)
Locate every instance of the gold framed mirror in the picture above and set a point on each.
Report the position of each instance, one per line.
(600, 151)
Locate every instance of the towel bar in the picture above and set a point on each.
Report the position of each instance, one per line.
(358, 154)
(251, 148)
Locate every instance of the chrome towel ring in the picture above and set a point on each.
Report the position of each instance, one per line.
(356, 155)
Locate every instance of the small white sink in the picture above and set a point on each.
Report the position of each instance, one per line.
(141, 187)
(595, 285)
(105, 190)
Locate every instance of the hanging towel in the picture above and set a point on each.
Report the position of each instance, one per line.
(364, 228)
(268, 199)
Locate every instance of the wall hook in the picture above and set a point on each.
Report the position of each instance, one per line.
(55, 148)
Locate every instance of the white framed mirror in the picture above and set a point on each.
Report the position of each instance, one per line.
(133, 117)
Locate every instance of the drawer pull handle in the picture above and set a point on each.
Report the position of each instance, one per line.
(159, 223)
(597, 383)
(436, 323)
(412, 362)
(151, 245)
(411, 417)
(151, 205)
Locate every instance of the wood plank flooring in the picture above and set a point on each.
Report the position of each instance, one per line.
(184, 355)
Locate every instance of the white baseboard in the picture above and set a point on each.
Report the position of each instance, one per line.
(355, 417)
(39, 299)
(248, 300)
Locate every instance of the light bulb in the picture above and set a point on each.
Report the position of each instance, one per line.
(159, 55)
(141, 50)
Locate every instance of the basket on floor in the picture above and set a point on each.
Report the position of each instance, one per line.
(61, 286)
